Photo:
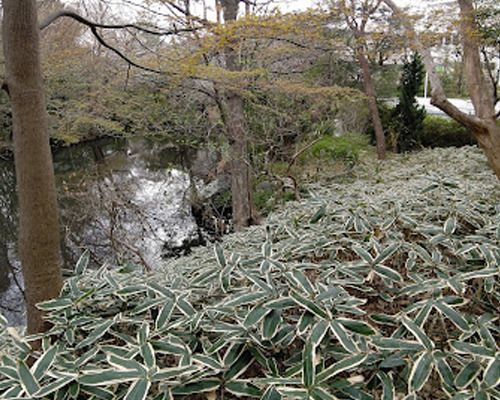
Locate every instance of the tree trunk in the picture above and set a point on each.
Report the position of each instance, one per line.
(39, 245)
(483, 124)
(244, 213)
(369, 89)
(490, 143)
(479, 88)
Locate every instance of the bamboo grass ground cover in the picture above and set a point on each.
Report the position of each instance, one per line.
(386, 288)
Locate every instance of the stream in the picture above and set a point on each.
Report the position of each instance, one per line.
(128, 201)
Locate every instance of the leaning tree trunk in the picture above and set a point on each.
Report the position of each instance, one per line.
(369, 89)
(244, 213)
(39, 245)
(483, 124)
(480, 89)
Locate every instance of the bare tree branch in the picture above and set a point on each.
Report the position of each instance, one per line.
(494, 76)
(77, 17)
(94, 26)
(100, 39)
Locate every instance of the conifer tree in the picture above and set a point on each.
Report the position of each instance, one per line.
(408, 115)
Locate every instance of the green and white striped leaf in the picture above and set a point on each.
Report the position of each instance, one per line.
(165, 374)
(219, 255)
(138, 390)
(246, 298)
(491, 376)
(56, 304)
(281, 303)
(99, 331)
(387, 253)
(345, 364)
(319, 393)
(306, 320)
(388, 389)
(98, 393)
(164, 315)
(202, 386)
(309, 305)
(418, 333)
(318, 332)
(108, 377)
(9, 372)
(420, 372)
(454, 316)
(270, 324)
(148, 355)
(357, 326)
(388, 273)
(82, 263)
(271, 394)
(445, 372)
(364, 255)
(43, 364)
(343, 336)
(255, 316)
(208, 361)
(471, 348)
(449, 226)
(239, 366)
(126, 364)
(467, 374)
(293, 393)
(298, 279)
(243, 389)
(54, 386)
(27, 380)
(308, 367)
(397, 344)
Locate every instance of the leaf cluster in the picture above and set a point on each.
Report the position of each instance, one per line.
(386, 288)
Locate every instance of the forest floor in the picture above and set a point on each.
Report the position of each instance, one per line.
(388, 283)
(400, 179)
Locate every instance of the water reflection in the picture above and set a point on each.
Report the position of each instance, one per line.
(130, 204)
(11, 296)
(124, 200)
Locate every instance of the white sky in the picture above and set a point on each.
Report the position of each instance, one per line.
(304, 4)
(125, 9)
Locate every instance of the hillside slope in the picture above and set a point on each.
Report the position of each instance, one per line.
(388, 286)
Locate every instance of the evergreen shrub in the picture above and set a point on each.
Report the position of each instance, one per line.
(341, 148)
(444, 132)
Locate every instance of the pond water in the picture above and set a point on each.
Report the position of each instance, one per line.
(126, 201)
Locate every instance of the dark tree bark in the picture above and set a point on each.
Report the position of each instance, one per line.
(39, 245)
(483, 124)
(244, 212)
(369, 89)
(366, 8)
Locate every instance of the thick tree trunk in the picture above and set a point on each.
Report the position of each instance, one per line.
(38, 213)
(244, 213)
(490, 143)
(369, 89)
(480, 88)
